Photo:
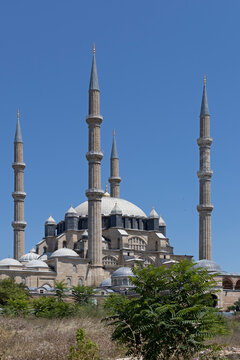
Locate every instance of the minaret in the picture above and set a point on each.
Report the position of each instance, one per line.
(94, 157)
(18, 195)
(114, 164)
(204, 174)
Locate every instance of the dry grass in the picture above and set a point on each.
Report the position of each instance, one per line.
(42, 339)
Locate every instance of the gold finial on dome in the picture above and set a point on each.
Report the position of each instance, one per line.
(204, 79)
(18, 114)
(94, 49)
(106, 190)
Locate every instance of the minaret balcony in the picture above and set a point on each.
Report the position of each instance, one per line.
(18, 166)
(94, 194)
(204, 141)
(19, 195)
(93, 156)
(205, 174)
(205, 208)
(115, 179)
(94, 119)
(19, 225)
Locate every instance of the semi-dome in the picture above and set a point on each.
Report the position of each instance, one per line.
(105, 283)
(210, 265)
(10, 262)
(108, 204)
(31, 255)
(64, 252)
(123, 271)
(37, 264)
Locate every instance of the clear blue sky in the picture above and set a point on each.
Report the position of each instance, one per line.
(151, 58)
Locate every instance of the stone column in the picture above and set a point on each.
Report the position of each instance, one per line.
(18, 195)
(204, 174)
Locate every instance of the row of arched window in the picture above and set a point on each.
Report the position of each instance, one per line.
(228, 284)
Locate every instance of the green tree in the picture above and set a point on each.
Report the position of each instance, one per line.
(172, 315)
(51, 307)
(82, 294)
(19, 306)
(60, 289)
(84, 349)
(9, 289)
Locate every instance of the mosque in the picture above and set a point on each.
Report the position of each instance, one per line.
(98, 242)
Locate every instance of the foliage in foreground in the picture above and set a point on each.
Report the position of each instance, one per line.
(173, 315)
(9, 289)
(84, 349)
(82, 294)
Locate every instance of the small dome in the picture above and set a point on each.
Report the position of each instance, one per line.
(37, 264)
(50, 221)
(106, 283)
(161, 221)
(123, 271)
(71, 212)
(210, 265)
(64, 252)
(30, 256)
(153, 214)
(10, 262)
(116, 209)
(85, 234)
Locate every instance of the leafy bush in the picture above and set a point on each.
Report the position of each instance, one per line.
(17, 307)
(82, 294)
(84, 349)
(50, 307)
(9, 289)
(172, 316)
(60, 290)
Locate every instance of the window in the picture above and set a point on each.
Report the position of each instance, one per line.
(109, 260)
(64, 244)
(23, 281)
(68, 282)
(80, 282)
(44, 249)
(227, 284)
(74, 268)
(136, 243)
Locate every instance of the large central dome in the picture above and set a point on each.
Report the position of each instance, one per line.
(108, 203)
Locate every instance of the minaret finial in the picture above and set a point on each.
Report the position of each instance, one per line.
(204, 106)
(204, 79)
(94, 85)
(18, 114)
(94, 50)
(113, 132)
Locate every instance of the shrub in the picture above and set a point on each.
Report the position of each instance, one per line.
(50, 307)
(17, 307)
(82, 294)
(9, 289)
(172, 316)
(60, 289)
(84, 349)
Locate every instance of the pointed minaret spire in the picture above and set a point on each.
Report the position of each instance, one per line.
(18, 134)
(94, 85)
(18, 195)
(204, 106)
(114, 165)
(205, 174)
(114, 153)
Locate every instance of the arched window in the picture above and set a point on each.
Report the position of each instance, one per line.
(227, 284)
(80, 282)
(74, 268)
(23, 280)
(215, 300)
(136, 243)
(109, 260)
(237, 286)
(64, 244)
(44, 249)
(69, 282)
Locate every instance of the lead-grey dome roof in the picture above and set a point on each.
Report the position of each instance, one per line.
(30, 256)
(123, 271)
(63, 252)
(108, 203)
(37, 264)
(105, 283)
(10, 262)
(210, 265)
